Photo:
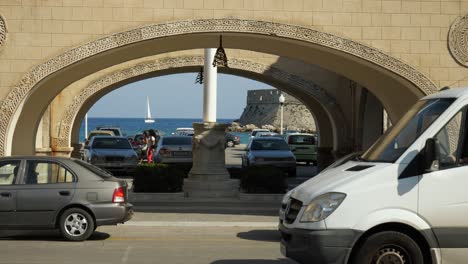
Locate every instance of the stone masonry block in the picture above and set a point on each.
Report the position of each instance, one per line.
(193, 4)
(400, 20)
(430, 33)
(420, 46)
(391, 6)
(213, 4)
(102, 13)
(420, 20)
(72, 26)
(233, 4)
(381, 20)
(294, 5)
(452, 7)
(411, 33)
(173, 3)
(400, 46)
(361, 19)
(313, 5)
(273, 4)
(430, 7)
(142, 14)
(153, 3)
(391, 33)
(372, 33)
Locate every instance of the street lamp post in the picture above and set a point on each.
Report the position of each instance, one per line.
(281, 101)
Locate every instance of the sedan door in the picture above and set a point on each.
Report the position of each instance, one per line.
(9, 173)
(47, 187)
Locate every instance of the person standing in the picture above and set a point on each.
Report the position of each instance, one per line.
(151, 144)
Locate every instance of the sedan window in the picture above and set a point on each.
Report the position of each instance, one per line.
(111, 143)
(9, 172)
(45, 172)
(177, 141)
(269, 145)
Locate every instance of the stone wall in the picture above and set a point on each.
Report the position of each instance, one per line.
(263, 108)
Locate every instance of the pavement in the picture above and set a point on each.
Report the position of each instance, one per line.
(156, 238)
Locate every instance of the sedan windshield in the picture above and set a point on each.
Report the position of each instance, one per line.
(177, 141)
(399, 138)
(266, 144)
(111, 143)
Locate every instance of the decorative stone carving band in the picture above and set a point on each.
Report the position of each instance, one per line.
(458, 40)
(152, 66)
(3, 30)
(228, 25)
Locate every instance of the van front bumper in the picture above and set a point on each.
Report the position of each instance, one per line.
(317, 246)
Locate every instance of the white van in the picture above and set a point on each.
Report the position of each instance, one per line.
(405, 200)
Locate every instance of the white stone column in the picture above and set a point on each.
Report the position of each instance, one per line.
(209, 87)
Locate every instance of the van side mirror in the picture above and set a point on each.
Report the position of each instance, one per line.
(430, 157)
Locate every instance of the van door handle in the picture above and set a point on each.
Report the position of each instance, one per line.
(64, 193)
(5, 194)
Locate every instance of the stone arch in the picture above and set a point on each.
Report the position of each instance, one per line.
(347, 57)
(71, 119)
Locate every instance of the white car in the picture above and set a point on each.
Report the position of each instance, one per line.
(255, 131)
(405, 200)
(183, 131)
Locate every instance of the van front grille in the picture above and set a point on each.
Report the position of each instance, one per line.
(292, 210)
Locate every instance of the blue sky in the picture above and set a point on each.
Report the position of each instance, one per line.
(175, 96)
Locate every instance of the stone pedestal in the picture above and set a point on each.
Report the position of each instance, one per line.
(62, 151)
(209, 177)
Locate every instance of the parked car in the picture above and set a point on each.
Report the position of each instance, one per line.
(181, 130)
(255, 131)
(116, 130)
(403, 201)
(94, 133)
(111, 153)
(60, 193)
(304, 147)
(232, 140)
(174, 149)
(269, 151)
(267, 134)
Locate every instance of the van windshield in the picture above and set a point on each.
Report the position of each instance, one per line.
(391, 145)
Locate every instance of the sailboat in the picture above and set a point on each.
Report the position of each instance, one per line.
(148, 118)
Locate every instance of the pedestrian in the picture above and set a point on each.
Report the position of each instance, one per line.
(144, 149)
(151, 144)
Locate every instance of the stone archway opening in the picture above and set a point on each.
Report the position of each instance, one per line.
(396, 84)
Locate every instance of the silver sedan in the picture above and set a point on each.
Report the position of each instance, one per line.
(270, 151)
(174, 149)
(111, 153)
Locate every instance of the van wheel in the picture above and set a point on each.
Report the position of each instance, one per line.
(76, 224)
(388, 247)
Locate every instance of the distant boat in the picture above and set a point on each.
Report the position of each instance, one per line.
(148, 118)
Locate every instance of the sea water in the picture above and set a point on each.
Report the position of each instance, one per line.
(132, 126)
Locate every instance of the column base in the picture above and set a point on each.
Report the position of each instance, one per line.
(209, 177)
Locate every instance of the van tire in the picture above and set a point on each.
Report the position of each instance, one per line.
(82, 218)
(390, 245)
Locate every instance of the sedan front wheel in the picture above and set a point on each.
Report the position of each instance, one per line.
(76, 224)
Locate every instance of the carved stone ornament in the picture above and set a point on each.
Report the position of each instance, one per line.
(3, 30)
(175, 63)
(225, 25)
(458, 40)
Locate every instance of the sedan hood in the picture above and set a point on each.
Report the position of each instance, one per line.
(271, 153)
(333, 179)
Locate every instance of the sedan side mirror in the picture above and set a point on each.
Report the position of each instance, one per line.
(430, 155)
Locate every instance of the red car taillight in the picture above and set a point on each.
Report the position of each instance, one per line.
(119, 195)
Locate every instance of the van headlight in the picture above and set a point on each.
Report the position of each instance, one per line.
(286, 197)
(322, 206)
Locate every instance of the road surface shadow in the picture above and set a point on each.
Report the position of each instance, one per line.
(49, 235)
(254, 261)
(261, 235)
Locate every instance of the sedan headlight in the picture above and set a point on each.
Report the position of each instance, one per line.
(322, 206)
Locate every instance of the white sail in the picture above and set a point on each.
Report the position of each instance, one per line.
(148, 118)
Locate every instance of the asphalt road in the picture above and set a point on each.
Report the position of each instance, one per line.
(156, 238)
